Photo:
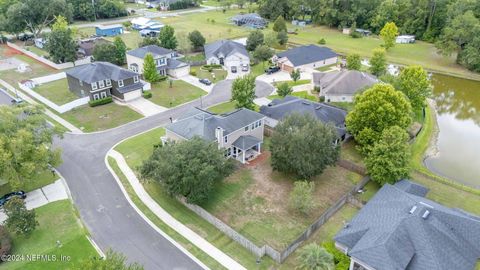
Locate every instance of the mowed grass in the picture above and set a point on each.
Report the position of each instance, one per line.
(292, 83)
(180, 92)
(56, 91)
(57, 222)
(41, 179)
(226, 107)
(218, 74)
(139, 148)
(419, 53)
(102, 117)
(324, 234)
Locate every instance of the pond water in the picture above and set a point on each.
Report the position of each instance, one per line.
(458, 117)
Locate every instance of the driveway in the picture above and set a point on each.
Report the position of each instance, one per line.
(282, 76)
(110, 219)
(194, 81)
(145, 106)
(223, 89)
(5, 99)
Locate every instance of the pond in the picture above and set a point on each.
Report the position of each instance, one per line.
(458, 117)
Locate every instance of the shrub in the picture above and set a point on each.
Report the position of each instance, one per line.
(301, 198)
(19, 220)
(316, 89)
(147, 94)
(193, 72)
(162, 78)
(5, 242)
(356, 34)
(322, 41)
(321, 98)
(342, 261)
(98, 102)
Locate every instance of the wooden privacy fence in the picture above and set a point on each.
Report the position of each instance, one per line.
(278, 256)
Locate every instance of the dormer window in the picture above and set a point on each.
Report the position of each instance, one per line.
(135, 79)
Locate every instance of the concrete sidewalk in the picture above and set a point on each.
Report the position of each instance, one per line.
(42, 196)
(183, 230)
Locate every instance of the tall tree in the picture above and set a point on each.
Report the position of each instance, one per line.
(243, 92)
(284, 89)
(25, 145)
(255, 39)
(150, 69)
(112, 261)
(375, 110)
(304, 146)
(271, 9)
(389, 33)
(389, 159)
(280, 25)
(295, 75)
(197, 39)
(167, 37)
(105, 52)
(378, 62)
(19, 220)
(314, 257)
(354, 62)
(386, 12)
(120, 51)
(263, 53)
(188, 168)
(35, 15)
(282, 37)
(414, 83)
(60, 43)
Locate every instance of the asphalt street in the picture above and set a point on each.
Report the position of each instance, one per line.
(5, 99)
(112, 222)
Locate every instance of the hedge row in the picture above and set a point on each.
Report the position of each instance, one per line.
(147, 94)
(98, 102)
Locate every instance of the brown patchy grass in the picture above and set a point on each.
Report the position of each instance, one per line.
(254, 201)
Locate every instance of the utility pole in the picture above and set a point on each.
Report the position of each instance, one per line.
(94, 13)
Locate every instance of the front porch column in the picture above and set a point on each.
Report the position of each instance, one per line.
(243, 157)
(259, 148)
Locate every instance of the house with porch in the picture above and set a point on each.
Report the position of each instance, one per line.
(304, 58)
(399, 229)
(102, 79)
(165, 60)
(278, 109)
(239, 133)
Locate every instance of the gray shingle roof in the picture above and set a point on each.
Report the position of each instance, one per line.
(197, 122)
(246, 142)
(224, 48)
(281, 108)
(307, 54)
(153, 49)
(174, 63)
(98, 71)
(344, 82)
(399, 230)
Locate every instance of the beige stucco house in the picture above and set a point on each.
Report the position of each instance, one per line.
(304, 58)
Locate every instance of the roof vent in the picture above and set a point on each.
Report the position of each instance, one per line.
(346, 224)
(305, 103)
(413, 209)
(426, 214)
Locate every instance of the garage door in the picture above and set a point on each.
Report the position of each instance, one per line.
(180, 72)
(132, 95)
(287, 68)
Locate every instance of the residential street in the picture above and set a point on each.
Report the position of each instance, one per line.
(112, 222)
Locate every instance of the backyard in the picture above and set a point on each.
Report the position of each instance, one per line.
(57, 222)
(226, 107)
(90, 119)
(180, 92)
(56, 91)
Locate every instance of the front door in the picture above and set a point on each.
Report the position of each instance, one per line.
(222, 62)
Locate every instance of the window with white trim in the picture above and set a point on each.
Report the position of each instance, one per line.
(96, 96)
(252, 126)
(101, 84)
(94, 86)
(80, 82)
(103, 94)
(135, 79)
(225, 139)
(109, 82)
(246, 128)
(120, 83)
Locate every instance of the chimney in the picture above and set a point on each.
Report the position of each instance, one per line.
(219, 135)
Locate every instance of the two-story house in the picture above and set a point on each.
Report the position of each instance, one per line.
(164, 60)
(239, 132)
(102, 79)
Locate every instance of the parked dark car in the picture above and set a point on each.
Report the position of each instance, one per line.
(25, 37)
(271, 70)
(233, 69)
(205, 81)
(7, 197)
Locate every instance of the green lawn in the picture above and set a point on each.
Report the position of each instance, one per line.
(419, 53)
(325, 233)
(102, 117)
(292, 83)
(57, 221)
(37, 51)
(220, 74)
(226, 107)
(139, 148)
(36, 69)
(56, 91)
(326, 68)
(301, 94)
(180, 92)
(348, 106)
(41, 179)
(350, 152)
(193, 57)
(258, 69)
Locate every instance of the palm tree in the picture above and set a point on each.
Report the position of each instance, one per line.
(314, 257)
